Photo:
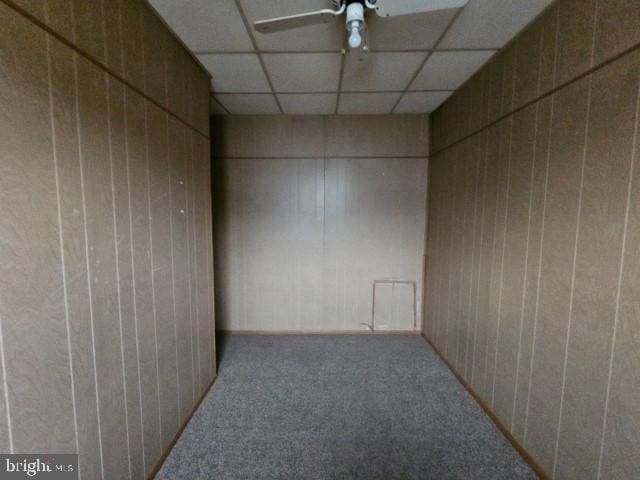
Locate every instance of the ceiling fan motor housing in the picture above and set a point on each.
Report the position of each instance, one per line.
(355, 23)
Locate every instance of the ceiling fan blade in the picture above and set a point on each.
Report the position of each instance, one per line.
(295, 21)
(394, 8)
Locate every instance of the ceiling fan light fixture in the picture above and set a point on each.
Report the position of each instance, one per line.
(355, 24)
(355, 12)
(355, 39)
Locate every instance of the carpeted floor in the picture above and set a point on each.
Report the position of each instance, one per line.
(338, 407)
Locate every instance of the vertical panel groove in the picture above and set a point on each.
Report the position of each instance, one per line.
(485, 378)
(62, 256)
(473, 263)
(88, 263)
(463, 275)
(173, 287)
(334, 214)
(447, 316)
(195, 252)
(209, 256)
(463, 262)
(504, 248)
(573, 275)
(526, 267)
(6, 389)
(129, 227)
(187, 182)
(529, 214)
(151, 267)
(594, 37)
(69, 100)
(117, 267)
(115, 237)
(485, 160)
(544, 211)
(620, 279)
(209, 279)
(539, 279)
(133, 276)
(555, 311)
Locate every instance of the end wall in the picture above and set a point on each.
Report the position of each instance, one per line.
(533, 285)
(309, 211)
(106, 315)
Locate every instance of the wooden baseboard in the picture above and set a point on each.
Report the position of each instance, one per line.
(318, 332)
(167, 451)
(542, 475)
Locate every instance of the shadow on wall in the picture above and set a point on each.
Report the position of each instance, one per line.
(218, 133)
(218, 208)
(221, 345)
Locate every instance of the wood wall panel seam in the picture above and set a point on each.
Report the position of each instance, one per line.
(538, 275)
(538, 98)
(102, 65)
(319, 235)
(79, 147)
(117, 268)
(152, 269)
(526, 266)
(563, 251)
(62, 254)
(86, 259)
(570, 319)
(174, 316)
(5, 389)
(621, 280)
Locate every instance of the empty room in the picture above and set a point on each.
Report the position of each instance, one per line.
(319, 239)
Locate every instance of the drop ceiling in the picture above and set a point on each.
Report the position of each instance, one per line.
(415, 62)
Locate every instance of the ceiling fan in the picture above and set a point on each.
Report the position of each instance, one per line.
(355, 15)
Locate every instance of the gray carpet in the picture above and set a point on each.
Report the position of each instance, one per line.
(338, 407)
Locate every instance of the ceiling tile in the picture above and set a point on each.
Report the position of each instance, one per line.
(308, 104)
(249, 104)
(239, 72)
(408, 32)
(215, 108)
(330, 36)
(303, 72)
(367, 103)
(449, 70)
(421, 102)
(381, 71)
(491, 23)
(205, 25)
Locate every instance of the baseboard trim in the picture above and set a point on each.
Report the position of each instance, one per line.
(542, 475)
(167, 451)
(318, 332)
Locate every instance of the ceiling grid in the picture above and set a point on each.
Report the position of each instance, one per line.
(414, 64)
(435, 47)
(249, 31)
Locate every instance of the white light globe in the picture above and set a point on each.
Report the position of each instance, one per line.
(355, 40)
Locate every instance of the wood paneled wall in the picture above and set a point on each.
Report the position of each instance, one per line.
(106, 281)
(309, 211)
(533, 285)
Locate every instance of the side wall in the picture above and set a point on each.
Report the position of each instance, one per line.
(106, 305)
(309, 211)
(533, 285)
